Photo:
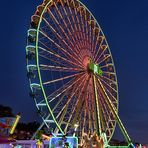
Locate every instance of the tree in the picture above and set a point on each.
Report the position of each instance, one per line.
(6, 111)
(28, 127)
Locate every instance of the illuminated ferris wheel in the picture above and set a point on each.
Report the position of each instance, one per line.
(71, 71)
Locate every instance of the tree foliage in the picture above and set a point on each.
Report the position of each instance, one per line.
(6, 111)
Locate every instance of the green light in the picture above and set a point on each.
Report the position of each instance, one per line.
(95, 68)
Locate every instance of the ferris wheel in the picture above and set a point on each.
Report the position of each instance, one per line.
(71, 71)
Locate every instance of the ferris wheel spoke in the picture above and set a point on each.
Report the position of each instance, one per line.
(93, 109)
(59, 63)
(98, 47)
(50, 52)
(91, 36)
(79, 108)
(113, 89)
(106, 116)
(100, 41)
(105, 107)
(63, 19)
(107, 65)
(78, 24)
(71, 13)
(60, 27)
(75, 33)
(80, 36)
(84, 122)
(70, 33)
(56, 63)
(61, 118)
(109, 89)
(88, 108)
(60, 79)
(63, 32)
(56, 105)
(109, 123)
(87, 20)
(40, 53)
(114, 99)
(103, 124)
(93, 44)
(67, 54)
(57, 56)
(59, 36)
(106, 97)
(89, 114)
(74, 92)
(84, 43)
(59, 68)
(78, 118)
(97, 109)
(66, 106)
(85, 33)
(109, 80)
(101, 116)
(96, 32)
(111, 92)
(100, 112)
(60, 100)
(103, 49)
(109, 73)
(106, 58)
(80, 9)
(87, 37)
(78, 103)
(64, 88)
(114, 111)
(81, 102)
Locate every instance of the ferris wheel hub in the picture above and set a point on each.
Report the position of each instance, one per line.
(91, 66)
(86, 61)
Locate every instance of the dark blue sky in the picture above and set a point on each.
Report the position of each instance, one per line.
(125, 24)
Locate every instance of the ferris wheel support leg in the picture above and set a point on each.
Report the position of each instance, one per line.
(97, 110)
(111, 106)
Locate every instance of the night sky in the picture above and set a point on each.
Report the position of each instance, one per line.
(125, 24)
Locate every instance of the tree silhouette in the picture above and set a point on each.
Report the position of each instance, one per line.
(6, 111)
